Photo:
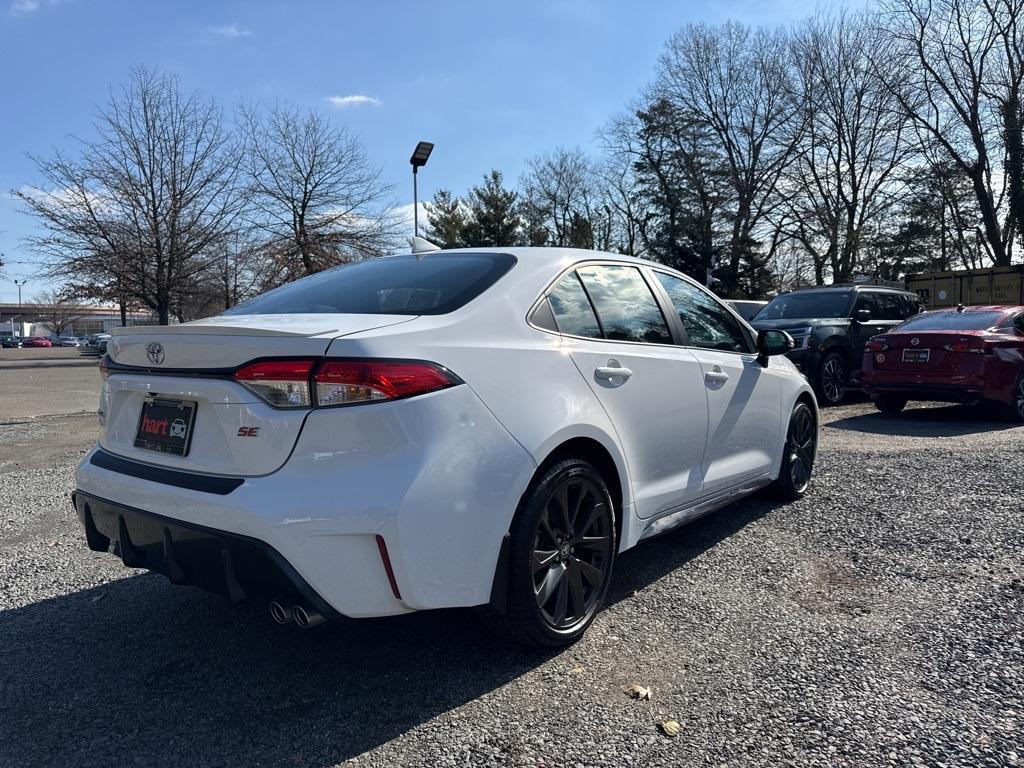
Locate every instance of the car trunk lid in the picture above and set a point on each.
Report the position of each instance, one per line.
(229, 430)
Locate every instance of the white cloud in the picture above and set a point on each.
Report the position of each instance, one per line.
(19, 7)
(354, 100)
(231, 31)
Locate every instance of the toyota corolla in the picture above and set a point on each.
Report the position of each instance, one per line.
(485, 428)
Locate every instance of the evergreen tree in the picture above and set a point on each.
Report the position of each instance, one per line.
(493, 214)
(446, 220)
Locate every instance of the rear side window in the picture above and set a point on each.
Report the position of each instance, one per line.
(625, 305)
(890, 307)
(434, 284)
(572, 310)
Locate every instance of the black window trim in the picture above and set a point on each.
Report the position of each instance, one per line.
(679, 338)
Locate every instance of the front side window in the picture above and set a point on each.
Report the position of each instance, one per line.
(807, 306)
(625, 305)
(572, 310)
(434, 284)
(707, 323)
(867, 301)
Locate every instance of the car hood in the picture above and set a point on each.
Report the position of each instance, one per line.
(790, 324)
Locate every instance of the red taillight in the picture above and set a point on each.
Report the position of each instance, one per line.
(346, 382)
(104, 368)
(876, 345)
(282, 383)
(977, 346)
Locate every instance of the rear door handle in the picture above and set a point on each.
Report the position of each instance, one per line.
(716, 377)
(609, 372)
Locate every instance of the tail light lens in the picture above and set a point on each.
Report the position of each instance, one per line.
(104, 368)
(282, 383)
(304, 383)
(876, 345)
(347, 382)
(977, 346)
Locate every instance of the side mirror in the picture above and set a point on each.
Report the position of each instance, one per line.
(862, 315)
(771, 343)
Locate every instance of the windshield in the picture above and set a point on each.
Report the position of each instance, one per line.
(951, 320)
(793, 306)
(434, 284)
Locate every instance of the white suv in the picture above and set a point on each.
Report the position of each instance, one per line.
(463, 428)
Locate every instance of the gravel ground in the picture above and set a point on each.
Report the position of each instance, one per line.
(876, 622)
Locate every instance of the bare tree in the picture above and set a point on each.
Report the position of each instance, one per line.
(315, 195)
(845, 179)
(144, 205)
(957, 73)
(57, 311)
(559, 194)
(738, 83)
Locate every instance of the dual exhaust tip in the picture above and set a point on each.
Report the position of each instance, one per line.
(304, 617)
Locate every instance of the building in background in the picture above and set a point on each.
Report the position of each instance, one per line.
(32, 320)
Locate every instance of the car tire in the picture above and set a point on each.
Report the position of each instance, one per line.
(890, 404)
(832, 379)
(562, 545)
(798, 453)
(1016, 407)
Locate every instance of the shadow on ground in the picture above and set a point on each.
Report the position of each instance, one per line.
(942, 421)
(138, 671)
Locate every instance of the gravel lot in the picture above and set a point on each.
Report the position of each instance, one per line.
(876, 622)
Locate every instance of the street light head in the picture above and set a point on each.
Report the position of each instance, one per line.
(420, 154)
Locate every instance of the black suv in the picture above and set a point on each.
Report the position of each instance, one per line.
(831, 325)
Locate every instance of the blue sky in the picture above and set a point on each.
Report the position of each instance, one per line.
(491, 83)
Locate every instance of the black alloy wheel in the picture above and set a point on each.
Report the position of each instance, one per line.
(561, 549)
(833, 377)
(800, 450)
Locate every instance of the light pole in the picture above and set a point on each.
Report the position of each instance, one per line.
(418, 160)
(18, 283)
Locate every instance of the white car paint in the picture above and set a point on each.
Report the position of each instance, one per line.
(439, 476)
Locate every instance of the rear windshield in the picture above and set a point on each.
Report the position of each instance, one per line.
(434, 284)
(951, 320)
(792, 306)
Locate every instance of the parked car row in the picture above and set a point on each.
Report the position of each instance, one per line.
(877, 339)
(13, 342)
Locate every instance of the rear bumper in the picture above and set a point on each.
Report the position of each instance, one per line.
(436, 477)
(236, 566)
(928, 391)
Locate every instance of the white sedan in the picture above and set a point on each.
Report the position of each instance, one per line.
(488, 427)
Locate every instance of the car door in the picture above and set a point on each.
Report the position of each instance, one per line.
(744, 408)
(651, 389)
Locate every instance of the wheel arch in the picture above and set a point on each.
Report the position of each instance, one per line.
(608, 461)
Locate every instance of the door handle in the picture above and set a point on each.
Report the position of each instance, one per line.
(609, 372)
(716, 377)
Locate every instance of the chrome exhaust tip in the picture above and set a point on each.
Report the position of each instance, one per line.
(306, 618)
(279, 613)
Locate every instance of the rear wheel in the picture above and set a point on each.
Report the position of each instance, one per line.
(890, 404)
(799, 453)
(833, 375)
(561, 550)
(1017, 404)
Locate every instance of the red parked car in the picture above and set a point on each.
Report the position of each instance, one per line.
(965, 355)
(37, 341)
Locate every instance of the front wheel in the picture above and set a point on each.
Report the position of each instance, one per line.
(833, 375)
(561, 550)
(799, 453)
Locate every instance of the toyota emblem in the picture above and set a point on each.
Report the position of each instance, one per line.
(155, 353)
(915, 341)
